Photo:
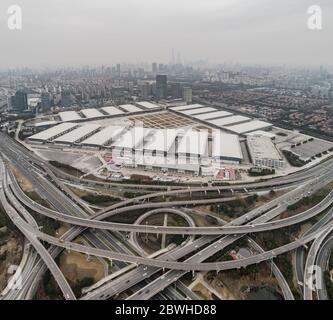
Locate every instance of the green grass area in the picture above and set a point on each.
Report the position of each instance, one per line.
(85, 282)
(66, 168)
(284, 263)
(224, 255)
(235, 208)
(250, 271)
(50, 226)
(329, 285)
(293, 159)
(131, 195)
(4, 220)
(272, 239)
(3, 257)
(100, 199)
(51, 288)
(36, 198)
(253, 172)
(307, 201)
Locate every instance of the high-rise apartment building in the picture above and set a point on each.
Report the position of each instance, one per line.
(187, 95)
(161, 86)
(146, 90)
(154, 68)
(19, 102)
(45, 101)
(176, 92)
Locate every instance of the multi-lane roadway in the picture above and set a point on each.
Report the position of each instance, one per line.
(68, 208)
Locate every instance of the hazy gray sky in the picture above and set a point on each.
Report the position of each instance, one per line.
(76, 32)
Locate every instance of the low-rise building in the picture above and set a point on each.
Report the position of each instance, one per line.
(263, 152)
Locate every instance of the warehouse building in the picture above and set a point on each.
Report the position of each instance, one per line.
(41, 126)
(251, 126)
(104, 137)
(131, 141)
(262, 133)
(130, 108)
(193, 144)
(162, 143)
(166, 164)
(263, 152)
(228, 121)
(148, 105)
(226, 147)
(187, 107)
(68, 116)
(53, 133)
(213, 115)
(92, 113)
(78, 134)
(112, 111)
(193, 112)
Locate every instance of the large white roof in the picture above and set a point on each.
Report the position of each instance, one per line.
(194, 143)
(130, 108)
(249, 126)
(148, 105)
(69, 116)
(78, 134)
(92, 113)
(198, 111)
(213, 115)
(162, 140)
(262, 133)
(262, 148)
(133, 138)
(45, 123)
(112, 111)
(226, 145)
(104, 136)
(165, 162)
(229, 121)
(53, 132)
(187, 107)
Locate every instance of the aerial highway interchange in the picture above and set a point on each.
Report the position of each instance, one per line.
(136, 271)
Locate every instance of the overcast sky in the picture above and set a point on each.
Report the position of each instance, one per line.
(78, 32)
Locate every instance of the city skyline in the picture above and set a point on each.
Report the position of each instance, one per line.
(165, 151)
(83, 33)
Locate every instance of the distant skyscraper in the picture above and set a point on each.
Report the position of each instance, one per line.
(146, 90)
(45, 101)
(19, 102)
(161, 86)
(179, 59)
(176, 92)
(118, 70)
(66, 99)
(187, 95)
(154, 68)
